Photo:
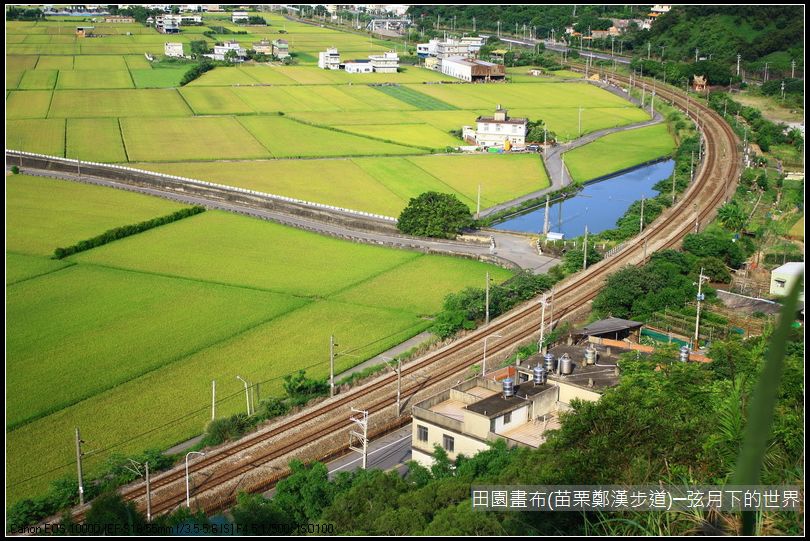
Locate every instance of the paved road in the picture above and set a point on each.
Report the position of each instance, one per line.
(511, 249)
(386, 453)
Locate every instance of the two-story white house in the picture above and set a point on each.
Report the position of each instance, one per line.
(496, 130)
(385, 63)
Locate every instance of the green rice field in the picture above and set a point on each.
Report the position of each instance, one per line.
(124, 340)
(374, 184)
(143, 292)
(627, 148)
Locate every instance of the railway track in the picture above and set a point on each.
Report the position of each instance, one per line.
(258, 461)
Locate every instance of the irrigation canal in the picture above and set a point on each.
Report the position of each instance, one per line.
(598, 205)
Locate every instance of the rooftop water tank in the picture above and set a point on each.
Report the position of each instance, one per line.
(550, 362)
(590, 355)
(539, 374)
(508, 387)
(566, 365)
(684, 355)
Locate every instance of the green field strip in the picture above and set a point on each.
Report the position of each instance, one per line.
(450, 188)
(363, 135)
(42, 265)
(417, 99)
(16, 420)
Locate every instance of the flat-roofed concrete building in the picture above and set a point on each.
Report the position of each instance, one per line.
(358, 67)
(463, 419)
(173, 49)
(783, 278)
(281, 48)
(329, 59)
(239, 16)
(385, 63)
(263, 47)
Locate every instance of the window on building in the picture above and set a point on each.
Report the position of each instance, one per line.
(421, 433)
(780, 283)
(449, 444)
(497, 127)
(507, 418)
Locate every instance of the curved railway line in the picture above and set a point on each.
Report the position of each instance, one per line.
(258, 461)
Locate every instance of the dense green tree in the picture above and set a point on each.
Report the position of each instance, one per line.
(303, 496)
(110, 510)
(732, 216)
(434, 214)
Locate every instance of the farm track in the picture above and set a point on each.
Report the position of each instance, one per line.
(258, 461)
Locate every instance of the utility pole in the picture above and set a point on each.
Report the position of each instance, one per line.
(766, 72)
(499, 28)
(332, 365)
(792, 69)
(213, 399)
(701, 278)
(473, 24)
(696, 54)
(487, 300)
(247, 394)
(662, 51)
(673, 187)
(79, 465)
(545, 220)
(783, 91)
(362, 422)
(641, 220)
(692, 167)
(643, 93)
(648, 50)
(585, 250)
(652, 103)
(148, 495)
(738, 64)
(478, 206)
(543, 303)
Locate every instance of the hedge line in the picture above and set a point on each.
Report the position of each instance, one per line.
(125, 231)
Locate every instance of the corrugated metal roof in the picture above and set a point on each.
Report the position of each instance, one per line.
(611, 324)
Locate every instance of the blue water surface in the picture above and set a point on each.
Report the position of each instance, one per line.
(598, 205)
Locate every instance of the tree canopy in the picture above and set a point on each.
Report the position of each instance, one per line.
(435, 214)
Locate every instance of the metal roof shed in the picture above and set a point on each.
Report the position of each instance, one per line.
(612, 327)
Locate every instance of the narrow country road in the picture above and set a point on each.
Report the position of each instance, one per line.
(510, 250)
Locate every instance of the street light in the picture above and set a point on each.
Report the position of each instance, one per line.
(247, 395)
(484, 368)
(188, 494)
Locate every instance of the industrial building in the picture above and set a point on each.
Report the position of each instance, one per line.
(498, 130)
(518, 403)
(472, 70)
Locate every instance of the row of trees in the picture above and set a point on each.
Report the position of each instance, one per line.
(125, 231)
